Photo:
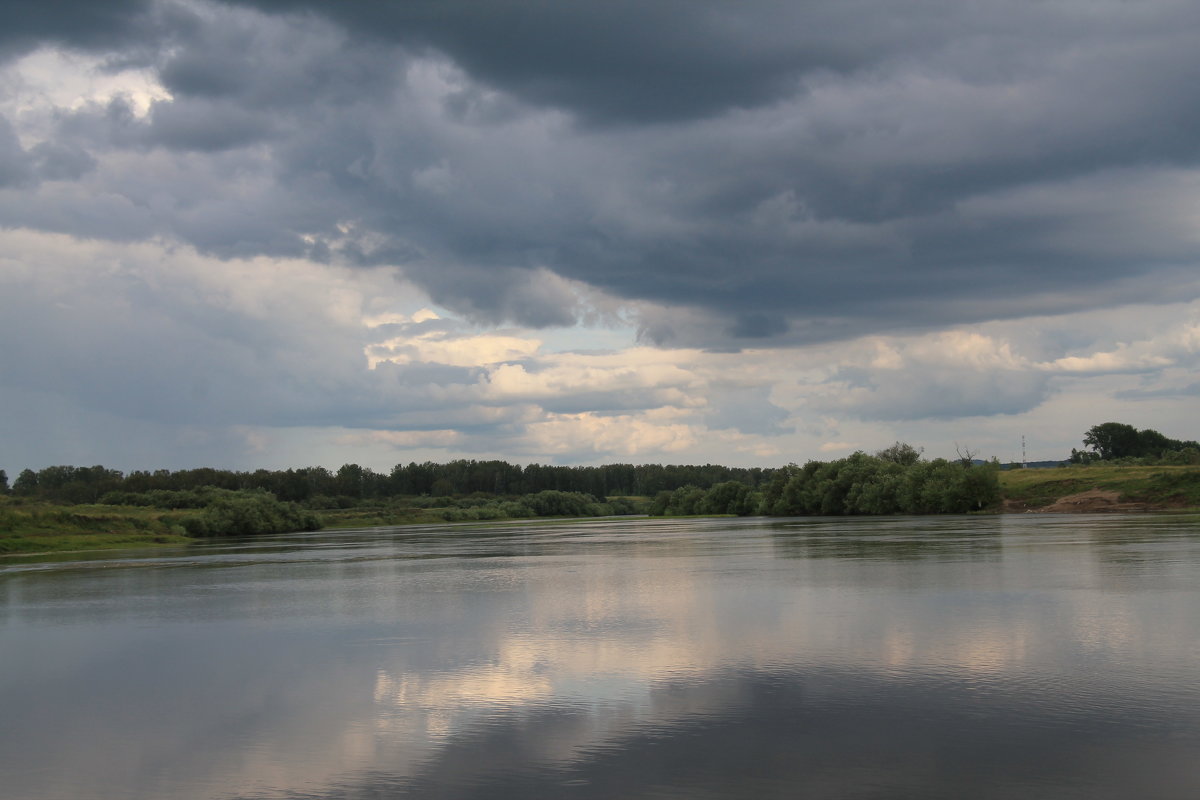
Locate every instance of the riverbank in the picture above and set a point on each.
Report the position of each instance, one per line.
(28, 527)
(1100, 488)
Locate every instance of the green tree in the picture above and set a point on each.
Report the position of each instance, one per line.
(730, 497)
(901, 453)
(1084, 457)
(1112, 440)
(686, 501)
(772, 496)
(3, 482)
(660, 503)
(26, 483)
(350, 479)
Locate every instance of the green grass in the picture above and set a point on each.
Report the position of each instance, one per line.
(1166, 486)
(375, 516)
(46, 528)
(34, 527)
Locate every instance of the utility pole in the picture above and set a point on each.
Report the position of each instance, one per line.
(1023, 464)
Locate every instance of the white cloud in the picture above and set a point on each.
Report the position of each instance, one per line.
(564, 374)
(588, 436)
(441, 347)
(1178, 345)
(406, 439)
(54, 79)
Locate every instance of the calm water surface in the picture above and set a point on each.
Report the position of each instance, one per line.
(1001, 657)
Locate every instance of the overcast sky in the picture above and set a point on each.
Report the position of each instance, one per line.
(286, 232)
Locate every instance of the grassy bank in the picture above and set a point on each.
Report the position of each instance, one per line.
(179, 517)
(1162, 487)
(375, 516)
(28, 527)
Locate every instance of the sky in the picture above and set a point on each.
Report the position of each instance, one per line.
(280, 233)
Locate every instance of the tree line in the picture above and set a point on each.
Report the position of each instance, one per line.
(352, 482)
(1117, 442)
(895, 480)
(892, 481)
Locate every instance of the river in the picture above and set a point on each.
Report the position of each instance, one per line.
(1018, 656)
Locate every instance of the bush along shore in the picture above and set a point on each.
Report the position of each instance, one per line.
(161, 517)
(83, 508)
(40, 517)
(859, 484)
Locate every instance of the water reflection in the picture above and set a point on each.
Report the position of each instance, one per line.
(753, 734)
(897, 539)
(982, 657)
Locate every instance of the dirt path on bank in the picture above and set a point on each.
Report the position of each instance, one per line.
(1090, 502)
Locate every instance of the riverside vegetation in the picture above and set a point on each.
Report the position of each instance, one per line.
(72, 508)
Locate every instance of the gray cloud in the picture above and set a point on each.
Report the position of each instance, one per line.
(1177, 391)
(498, 294)
(762, 173)
(75, 23)
(619, 62)
(62, 161)
(200, 345)
(14, 162)
(940, 393)
(746, 409)
(205, 126)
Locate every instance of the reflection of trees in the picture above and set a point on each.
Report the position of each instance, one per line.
(1143, 545)
(898, 539)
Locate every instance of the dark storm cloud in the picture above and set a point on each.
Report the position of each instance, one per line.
(763, 172)
(86, 24)
(271, 64)
(621, 61)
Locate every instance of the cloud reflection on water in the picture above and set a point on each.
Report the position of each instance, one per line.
(958, 657)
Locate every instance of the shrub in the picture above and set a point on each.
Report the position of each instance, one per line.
(248, 514)
(551, 503)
